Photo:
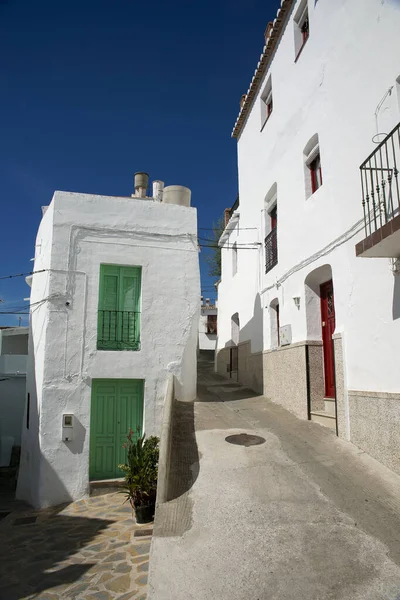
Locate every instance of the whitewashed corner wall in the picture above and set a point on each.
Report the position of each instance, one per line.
(76, 235)
(345, 89)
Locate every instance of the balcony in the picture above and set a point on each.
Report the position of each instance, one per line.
(118, 330)
(381, 199)
(271, 250)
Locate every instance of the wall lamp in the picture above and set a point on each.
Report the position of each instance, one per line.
(296, 300)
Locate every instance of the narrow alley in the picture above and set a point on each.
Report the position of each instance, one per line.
(301, 515)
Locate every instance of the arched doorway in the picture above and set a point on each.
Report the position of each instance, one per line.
(321, 321)
(234, 349)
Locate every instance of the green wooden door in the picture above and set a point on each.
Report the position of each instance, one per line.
(117, 406)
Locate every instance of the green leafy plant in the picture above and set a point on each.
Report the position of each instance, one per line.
(213, 255)
(140, 470)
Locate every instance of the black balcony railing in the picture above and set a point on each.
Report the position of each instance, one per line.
(271, 250)
(118, 330)
(380, 185)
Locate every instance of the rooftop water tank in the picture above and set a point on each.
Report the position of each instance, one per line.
(177, 194)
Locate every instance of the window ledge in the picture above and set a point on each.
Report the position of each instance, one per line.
(301, 50)
(313, 194)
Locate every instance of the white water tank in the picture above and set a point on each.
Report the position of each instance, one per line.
(177, 194)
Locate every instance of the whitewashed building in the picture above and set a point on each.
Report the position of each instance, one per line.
(104, 332)
(13, 364)
(309, 302)
(208, 326)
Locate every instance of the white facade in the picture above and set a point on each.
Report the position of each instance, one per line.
(13, 365)
(208, 326)
(77, 234)
(342, 90)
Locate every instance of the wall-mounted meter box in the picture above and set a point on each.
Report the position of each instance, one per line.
(68, 422)
(285, 335)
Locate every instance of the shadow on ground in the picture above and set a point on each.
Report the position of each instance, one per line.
(212, 387)
(29, 561)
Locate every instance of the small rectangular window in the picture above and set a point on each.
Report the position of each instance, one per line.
(271, 242)
(234, 259)
(211, 323)
(316, 173)
(301, 28)
(267, 103)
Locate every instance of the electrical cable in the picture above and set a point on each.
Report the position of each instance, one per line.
(22, 274)
(237, 229)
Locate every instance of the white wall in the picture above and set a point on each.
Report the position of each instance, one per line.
(207, 341)
(343, 72)
(87, 231)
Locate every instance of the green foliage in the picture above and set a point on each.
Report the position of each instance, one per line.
(140, 484)
(213, 256)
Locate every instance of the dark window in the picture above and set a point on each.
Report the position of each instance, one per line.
(28, 409)
(305, 30)
(316, 173)
(271, 243)
(270, 105)
(211, 323)
(277, 324)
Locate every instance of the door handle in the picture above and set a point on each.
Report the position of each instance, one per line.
(323, 323)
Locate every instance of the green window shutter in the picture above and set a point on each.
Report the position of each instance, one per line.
(119, 308)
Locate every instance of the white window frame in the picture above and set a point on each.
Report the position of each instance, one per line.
(298, 21)
(234, 259)
(309, 155)
(266, 99)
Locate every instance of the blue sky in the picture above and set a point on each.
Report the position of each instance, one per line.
(92, 91)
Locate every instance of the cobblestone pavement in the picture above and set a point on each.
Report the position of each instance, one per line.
(87, 550)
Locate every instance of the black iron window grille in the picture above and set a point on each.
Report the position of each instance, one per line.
(379, 182)
(271, 250)
(118, 330)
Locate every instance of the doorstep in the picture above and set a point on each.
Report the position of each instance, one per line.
(105, 486)
(323, 418)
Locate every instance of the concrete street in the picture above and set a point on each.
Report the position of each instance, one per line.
(303, 515)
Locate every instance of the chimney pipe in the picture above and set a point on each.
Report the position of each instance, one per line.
(158, 188)
(207, 301)
(227, 215)
(141, 183)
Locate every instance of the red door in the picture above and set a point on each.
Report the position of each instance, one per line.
(328, 328)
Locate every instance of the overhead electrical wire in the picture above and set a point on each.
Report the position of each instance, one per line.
(237, 229)
(22, 274)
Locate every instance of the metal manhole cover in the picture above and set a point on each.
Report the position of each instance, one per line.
(244, 439)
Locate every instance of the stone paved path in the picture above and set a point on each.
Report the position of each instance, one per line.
(87, 550)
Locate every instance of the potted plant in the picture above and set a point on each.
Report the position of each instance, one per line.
(140, 486)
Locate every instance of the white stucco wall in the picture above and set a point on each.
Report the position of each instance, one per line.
(345, 69)
(77, 234)
(207, 341)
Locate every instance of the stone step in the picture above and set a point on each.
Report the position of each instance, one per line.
(105, 486)
(323, 418)
(330, 406)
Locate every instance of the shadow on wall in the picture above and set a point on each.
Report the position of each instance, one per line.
(38, 483)
(396, 297)
(76, 445)
(184, 458)
(250, 341)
